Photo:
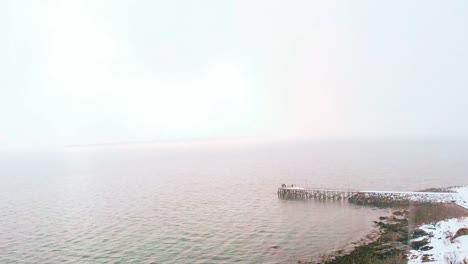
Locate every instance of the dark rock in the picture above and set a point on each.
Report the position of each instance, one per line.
(426, 258)
(397, 213)
(420, 243)
(426, 248)
(275, 247)
(381, 224)
(419, 233)
(382, 218)
(395, 227)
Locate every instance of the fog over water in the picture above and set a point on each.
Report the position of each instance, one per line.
(203, 204)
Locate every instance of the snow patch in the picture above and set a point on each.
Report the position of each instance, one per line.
(462, 196)
(293, 188)
(431, 197)
(441, 247)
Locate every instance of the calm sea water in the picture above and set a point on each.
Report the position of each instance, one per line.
(203, 204)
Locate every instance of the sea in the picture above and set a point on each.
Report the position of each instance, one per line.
(204, 202)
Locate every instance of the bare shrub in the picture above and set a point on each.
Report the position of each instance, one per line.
(452, 258)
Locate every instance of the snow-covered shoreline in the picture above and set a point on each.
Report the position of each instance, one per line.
(462, 197)
(441, 245)
(432, 197)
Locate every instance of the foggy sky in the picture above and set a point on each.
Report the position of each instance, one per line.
(110, 71)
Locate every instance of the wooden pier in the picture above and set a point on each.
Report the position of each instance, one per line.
(321, 194)
(365, 197)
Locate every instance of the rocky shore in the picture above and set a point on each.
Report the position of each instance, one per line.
(405, 235)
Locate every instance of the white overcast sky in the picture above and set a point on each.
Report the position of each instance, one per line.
(78, 72)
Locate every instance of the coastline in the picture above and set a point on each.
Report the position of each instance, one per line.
(412, 234)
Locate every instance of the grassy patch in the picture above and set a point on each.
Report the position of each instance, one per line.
(430, 213)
